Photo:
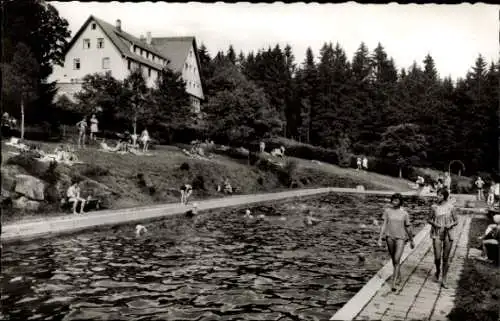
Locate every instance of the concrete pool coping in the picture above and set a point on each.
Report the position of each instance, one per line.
(352, 308)
(41, 228)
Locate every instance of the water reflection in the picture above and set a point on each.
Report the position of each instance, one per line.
(217, 266)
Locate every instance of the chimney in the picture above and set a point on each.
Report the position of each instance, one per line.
(142, 38)
(119, 25)
(148, 38)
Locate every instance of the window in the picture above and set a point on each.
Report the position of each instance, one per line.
(100, 43)
(86, 43)
(76, 64)
(149, 72)
(93, 26)
(105, 63)
(186, 65)
(147, 55)
(128, 66)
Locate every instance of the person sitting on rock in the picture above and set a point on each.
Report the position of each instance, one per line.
(491, 236)
(73, 194)
(228, 189)
(186, 191)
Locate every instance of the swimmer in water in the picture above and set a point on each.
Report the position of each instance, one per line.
(309, 219)
(140, 229)
(248, 214)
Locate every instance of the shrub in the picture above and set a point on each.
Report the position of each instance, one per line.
(92, 171)
(198, 183)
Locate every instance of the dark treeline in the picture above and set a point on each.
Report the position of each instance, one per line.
(365, 101)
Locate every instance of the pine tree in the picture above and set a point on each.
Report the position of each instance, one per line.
(171, 103)
(231, 55)
(307, 81)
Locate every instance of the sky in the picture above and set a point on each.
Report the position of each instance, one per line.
(454, 35)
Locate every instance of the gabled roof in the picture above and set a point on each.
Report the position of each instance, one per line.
(121, 40)
(177, 50)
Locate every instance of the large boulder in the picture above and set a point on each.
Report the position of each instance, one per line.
(24, 203)
(30, 186)
(9, 173)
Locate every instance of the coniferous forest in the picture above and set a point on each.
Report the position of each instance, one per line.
(362, 103)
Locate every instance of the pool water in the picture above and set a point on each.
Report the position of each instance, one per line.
(216, 266)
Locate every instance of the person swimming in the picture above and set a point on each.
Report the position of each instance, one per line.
(140, 230)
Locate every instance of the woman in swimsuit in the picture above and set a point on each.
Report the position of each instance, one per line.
(186, 191)
(442, 221)
(396, 230)
(82, 130)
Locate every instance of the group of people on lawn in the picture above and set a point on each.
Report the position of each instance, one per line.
(493, 193)
(126, 142)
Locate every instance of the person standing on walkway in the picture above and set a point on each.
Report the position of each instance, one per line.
(365, 163)
(447, 181)
(396, 229)
(443, 220)
(479, 184)
(186, 191)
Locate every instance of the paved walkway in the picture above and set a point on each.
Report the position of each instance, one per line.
(420, 297)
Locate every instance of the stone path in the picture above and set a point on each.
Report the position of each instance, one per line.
(420, 297)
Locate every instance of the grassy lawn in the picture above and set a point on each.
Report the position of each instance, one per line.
(478, 295)
(163, 169)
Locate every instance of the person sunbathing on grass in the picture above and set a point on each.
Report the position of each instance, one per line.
(396, 230)
(491, 236)
(73, 194)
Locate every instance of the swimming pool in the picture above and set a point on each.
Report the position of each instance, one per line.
(217, 266)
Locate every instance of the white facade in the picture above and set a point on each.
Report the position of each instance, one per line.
(94, 52)
(92, 59)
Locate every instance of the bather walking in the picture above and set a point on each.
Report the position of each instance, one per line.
(442, 221)
(396, 229)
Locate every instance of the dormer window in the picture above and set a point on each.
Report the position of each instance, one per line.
(86, 43)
